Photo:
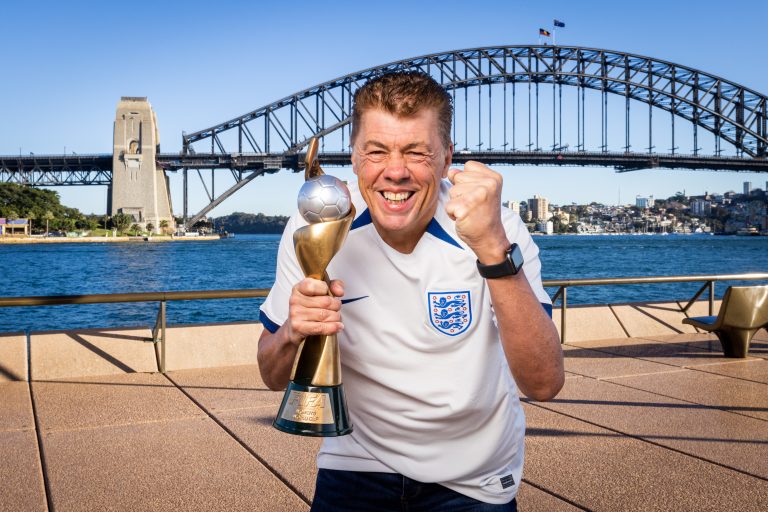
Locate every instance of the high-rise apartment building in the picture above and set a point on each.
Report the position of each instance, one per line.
(747, 187)
(539, 208)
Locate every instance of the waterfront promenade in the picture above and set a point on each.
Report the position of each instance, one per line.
(651, 417)
(16, 240)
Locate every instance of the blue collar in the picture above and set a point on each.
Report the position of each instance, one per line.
(434, 228)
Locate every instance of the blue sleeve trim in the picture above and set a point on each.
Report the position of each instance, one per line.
(268, 324)
(547, 308)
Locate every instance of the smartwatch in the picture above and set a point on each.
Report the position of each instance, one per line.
(509, 267)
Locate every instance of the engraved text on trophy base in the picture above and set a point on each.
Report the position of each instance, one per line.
(308, 407)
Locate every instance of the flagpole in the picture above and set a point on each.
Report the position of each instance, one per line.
(554, 33)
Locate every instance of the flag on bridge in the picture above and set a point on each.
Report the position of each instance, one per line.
(559, 23)
(544, 33)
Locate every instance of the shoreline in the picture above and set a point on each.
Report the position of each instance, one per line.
(104, 239)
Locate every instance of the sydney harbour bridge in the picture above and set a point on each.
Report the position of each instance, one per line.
(513, 105)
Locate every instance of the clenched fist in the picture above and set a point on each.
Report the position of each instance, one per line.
(475, 205)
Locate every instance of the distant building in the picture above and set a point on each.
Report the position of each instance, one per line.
(14, 227)
(701, 207)
(747, 187)
(547, 227)
(644, 202)
(539, 208)
(513, 205)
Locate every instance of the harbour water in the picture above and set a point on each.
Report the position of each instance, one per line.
(248, 261)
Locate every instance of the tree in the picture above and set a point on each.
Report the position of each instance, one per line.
(202, 225)
(135, 229)
(48, 216)
(150, 227)
(121, 221)
(31, 216)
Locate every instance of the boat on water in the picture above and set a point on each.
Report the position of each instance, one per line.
(747, 232)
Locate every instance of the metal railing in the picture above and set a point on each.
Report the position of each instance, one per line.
(159, 329)
(708, 280)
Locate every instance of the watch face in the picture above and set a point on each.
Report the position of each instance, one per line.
(516, 255)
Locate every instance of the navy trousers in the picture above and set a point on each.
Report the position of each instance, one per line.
(353, 491)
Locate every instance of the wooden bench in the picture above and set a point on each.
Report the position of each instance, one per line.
(743, 312)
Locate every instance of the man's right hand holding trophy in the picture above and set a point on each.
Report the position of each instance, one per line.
(314, 403)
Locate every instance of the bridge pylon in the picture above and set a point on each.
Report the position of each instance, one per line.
(139, 187)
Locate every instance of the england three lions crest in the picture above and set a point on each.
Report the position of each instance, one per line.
(450, 312)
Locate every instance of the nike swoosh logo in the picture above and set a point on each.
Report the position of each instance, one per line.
(347, 301)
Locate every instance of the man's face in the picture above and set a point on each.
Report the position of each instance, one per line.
(399, 163)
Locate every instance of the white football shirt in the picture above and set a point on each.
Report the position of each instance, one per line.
(429, 391)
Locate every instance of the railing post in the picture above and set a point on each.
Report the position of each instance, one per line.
(711, 298)
(162, 337)
(562, 315)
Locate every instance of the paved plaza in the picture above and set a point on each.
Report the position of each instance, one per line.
(652, 423)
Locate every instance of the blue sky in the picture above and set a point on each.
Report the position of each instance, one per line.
(66, 65)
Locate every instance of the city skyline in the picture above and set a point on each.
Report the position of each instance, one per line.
(632, 201)
(200, 67)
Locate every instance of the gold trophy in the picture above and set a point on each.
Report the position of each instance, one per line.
(314, 403)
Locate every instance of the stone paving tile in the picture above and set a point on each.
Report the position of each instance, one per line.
(13, 357)
(755, 370)
(602, 364)
(708, 342)
(725, 438)
(292, 457)
(685, 338)
(531, 499)
(627, 343)
(736, 395)
(226, 388)
(21, 481)
(687, 350)
(109, 400)
(604, 471)
(15, 407)
(189, 465)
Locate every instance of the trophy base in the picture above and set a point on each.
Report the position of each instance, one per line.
(318, 411)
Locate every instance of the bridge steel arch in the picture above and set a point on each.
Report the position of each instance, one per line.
(278, 132)
(730, 111)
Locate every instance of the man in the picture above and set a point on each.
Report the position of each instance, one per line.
(432, 352)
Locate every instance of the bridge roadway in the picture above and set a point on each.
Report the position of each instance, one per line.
(96, 169)
(651, 418)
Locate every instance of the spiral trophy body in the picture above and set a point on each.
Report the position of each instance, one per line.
(314, 402)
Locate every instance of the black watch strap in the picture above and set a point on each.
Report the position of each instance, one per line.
(509, 267)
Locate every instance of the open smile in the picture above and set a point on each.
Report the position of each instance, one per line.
(396, 198)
